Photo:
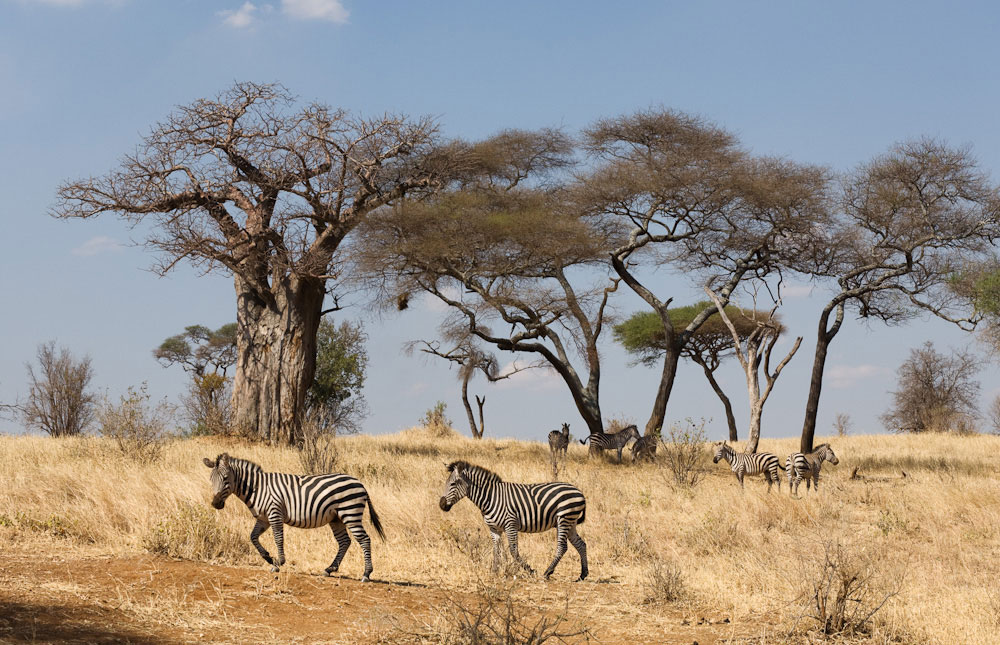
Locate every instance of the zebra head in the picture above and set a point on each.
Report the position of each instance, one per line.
(565, 430)
(721, 451)
(223, 479)
(456, 487)
(827, 453)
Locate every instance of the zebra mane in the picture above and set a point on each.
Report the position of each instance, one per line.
(245, 464)
(464, 465)
(820, 447)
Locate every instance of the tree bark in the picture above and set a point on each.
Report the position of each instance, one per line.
(823, 338)
(726, 403)
(481, 401)
(468, 406)
(276, 357)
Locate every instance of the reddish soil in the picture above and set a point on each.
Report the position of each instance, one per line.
(52, 598)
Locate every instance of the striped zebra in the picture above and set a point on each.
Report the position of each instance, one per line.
(743, 463)
(613, 440)
(528, 508)
(800, 466)
(302, 501)
(645, 448)
(559, 441)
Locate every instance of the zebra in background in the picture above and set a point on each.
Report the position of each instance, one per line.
(613, 440)
(302, 501)
(559, 441)
(800, 466)
(645, 448)
(530, 508)
(743, 463)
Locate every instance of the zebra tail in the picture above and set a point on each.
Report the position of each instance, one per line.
(584, 441)
(374, 519)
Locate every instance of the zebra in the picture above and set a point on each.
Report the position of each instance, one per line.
(559, 441)
(645, 448)
(613, 440)
(800, 466)
(302, 501)
(743, 463)
(530, 508)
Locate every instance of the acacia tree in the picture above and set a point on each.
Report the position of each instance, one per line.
(687, 195)
(199, 348)
(754, 351)
(910, 221)
(642, 335)
(936, 391)
(251, 185)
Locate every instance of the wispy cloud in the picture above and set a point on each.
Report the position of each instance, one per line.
(241, 18)
(537, 378)
(845, 376)
(797, 290)
(331, 10)
(97, 245)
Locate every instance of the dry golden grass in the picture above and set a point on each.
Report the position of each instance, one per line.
(931, 537)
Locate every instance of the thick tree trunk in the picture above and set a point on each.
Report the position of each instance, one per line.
(276, 361)
(756, 411)
(823, 338)
(726, 403)
(659, 413)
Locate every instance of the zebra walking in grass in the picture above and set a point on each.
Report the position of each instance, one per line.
(613, 440)
(559, 441)
(645, 448)
(743, 463)
(806, 466)
(528, 508)
(302, 501)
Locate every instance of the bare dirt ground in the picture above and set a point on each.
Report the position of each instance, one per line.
(46, 597)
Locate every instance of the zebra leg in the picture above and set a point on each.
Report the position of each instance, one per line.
(561, 533)
(343, 542)
(358, 531)
(739, 476)
(512, 544)
(620, 453)
(259, 528)
(278, 529)
(581, 548)
(496, 548)
(816, 482)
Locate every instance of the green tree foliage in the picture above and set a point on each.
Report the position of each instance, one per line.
(335, 400)
(199, 348)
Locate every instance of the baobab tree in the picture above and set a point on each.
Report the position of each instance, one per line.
(249, 184)
(910, 222)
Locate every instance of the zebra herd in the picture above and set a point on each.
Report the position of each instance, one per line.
(338, 500)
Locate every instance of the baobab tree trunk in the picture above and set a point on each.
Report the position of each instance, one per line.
(276, 357)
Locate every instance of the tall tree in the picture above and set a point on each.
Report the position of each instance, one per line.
(708, 346)
(910, 221)
(199, 348)
(251, 185)
(686, 194)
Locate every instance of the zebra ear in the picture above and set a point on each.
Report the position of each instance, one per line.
(224, 459)
(208, 462)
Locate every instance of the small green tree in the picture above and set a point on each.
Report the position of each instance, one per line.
(643, 337)
(206, 355)
(335, 401)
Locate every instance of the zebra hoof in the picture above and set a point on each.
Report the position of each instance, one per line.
(274, 569)
(365, 579)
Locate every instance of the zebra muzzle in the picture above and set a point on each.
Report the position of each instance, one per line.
(219, 503)
(445, 506)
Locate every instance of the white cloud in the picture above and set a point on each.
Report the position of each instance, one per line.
(536, 378)
(331, 10)
(796, 290)
(97, 245)
(241, 18)
(845, 376)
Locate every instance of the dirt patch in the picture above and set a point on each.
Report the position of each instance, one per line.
(49, 598)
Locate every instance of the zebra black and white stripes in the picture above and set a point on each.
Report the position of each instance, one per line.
(806, 466)
(510, 508)
(743, 464)
(559, 441)
(302, 501)
(613, 440)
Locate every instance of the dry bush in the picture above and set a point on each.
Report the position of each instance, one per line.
(318, 453)
(206, 405)
(58, 401)
(136, 428)
(684, 453)
(193, 532)
(846, 586)
(435, 421)
(842, 424)
(664, 582)
(493, 616)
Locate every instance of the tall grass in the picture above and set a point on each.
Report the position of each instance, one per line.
(750, 554)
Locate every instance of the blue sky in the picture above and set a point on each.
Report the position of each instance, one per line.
(825, 83)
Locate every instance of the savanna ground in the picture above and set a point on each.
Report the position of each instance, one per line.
(97, 547)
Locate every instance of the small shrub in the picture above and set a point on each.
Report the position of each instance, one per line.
(137, 429)
(206, 405)
(842, 424)
(664, 582)
(436, 422)
(192, 532)
(318, 452)
(684, 453)
(846, 587)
